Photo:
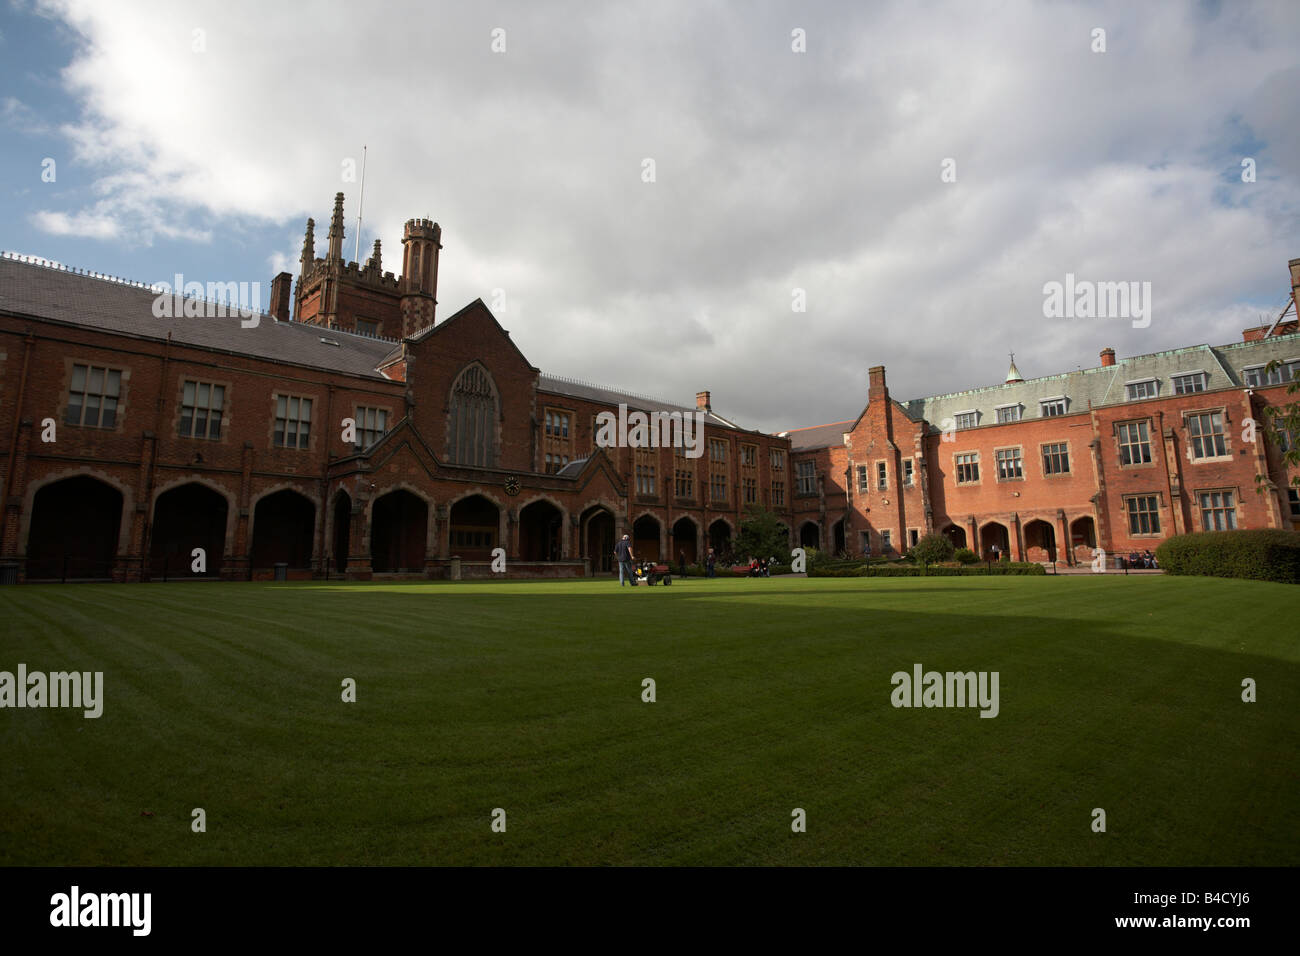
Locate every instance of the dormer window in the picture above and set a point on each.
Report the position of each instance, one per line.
(1051, 407)
(1143, 388)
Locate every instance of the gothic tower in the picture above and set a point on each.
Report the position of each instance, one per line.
(421, 243)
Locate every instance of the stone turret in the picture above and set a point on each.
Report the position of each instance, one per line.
(421, 243)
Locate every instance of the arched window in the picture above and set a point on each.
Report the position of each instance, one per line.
(472, 438)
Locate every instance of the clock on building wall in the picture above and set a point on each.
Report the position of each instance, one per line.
(512, 485)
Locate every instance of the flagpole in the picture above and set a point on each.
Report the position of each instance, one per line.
(356, 246)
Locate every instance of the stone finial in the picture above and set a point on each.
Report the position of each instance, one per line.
(336, 230)
(309, 245)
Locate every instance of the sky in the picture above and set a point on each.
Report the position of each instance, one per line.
(760, 199)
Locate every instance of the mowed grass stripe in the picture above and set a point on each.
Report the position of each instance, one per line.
(772, 694)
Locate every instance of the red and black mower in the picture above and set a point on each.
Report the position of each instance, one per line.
(651, 573)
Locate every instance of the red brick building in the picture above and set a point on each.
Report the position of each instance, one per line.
(1116, 457)
(350, 431)
(358, 435)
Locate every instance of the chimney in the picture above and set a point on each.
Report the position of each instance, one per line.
(1107, 357)
(876, 388)
(702, 401)
(281, 287)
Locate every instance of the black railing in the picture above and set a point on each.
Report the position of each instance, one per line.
(68, 567)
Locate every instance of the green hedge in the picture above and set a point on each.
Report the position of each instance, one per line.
(1258, 555)
(896, 571)
(698, 571)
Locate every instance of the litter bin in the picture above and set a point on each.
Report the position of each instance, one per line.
(9, 573)
(282, 571)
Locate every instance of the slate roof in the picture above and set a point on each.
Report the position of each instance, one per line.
(600, 393)
(818, 436)
(1223, 365)
(1106, 384)
(58, 294)
(125, 308)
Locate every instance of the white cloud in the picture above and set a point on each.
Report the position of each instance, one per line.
(774, 170)
(86, 225)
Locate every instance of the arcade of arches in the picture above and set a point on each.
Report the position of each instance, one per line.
(76, 532)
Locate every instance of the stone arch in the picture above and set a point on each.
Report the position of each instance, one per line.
(232, 501)
(188, 515)
(431, 532)
(280, 528)
(273, 489)
(76, 527)
(500, 503)
(474, 525)
(1083, 536)
(685, 541)
(399, 530)
(646, 545)
(1040, 540)
(720, 534)
(338, 529)
(810, 535)
(543, 497)
(542, 529)
(596, 525)
(956, 534)
(29, 498)
(994, 533)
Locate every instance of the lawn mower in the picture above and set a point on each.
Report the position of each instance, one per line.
(651, 573)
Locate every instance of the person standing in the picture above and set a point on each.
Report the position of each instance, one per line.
(710, 561)
(623, 554)
(681, 563)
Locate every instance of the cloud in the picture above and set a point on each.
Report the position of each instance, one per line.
(774, 170)
(85, 225)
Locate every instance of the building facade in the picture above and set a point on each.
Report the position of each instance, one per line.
(349, 431)
(1117, 457)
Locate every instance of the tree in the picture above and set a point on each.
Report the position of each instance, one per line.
(762, 535)
(932, 549)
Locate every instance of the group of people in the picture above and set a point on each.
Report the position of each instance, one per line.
(1144, 560)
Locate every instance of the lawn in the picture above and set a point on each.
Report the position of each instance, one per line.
(772, 694)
